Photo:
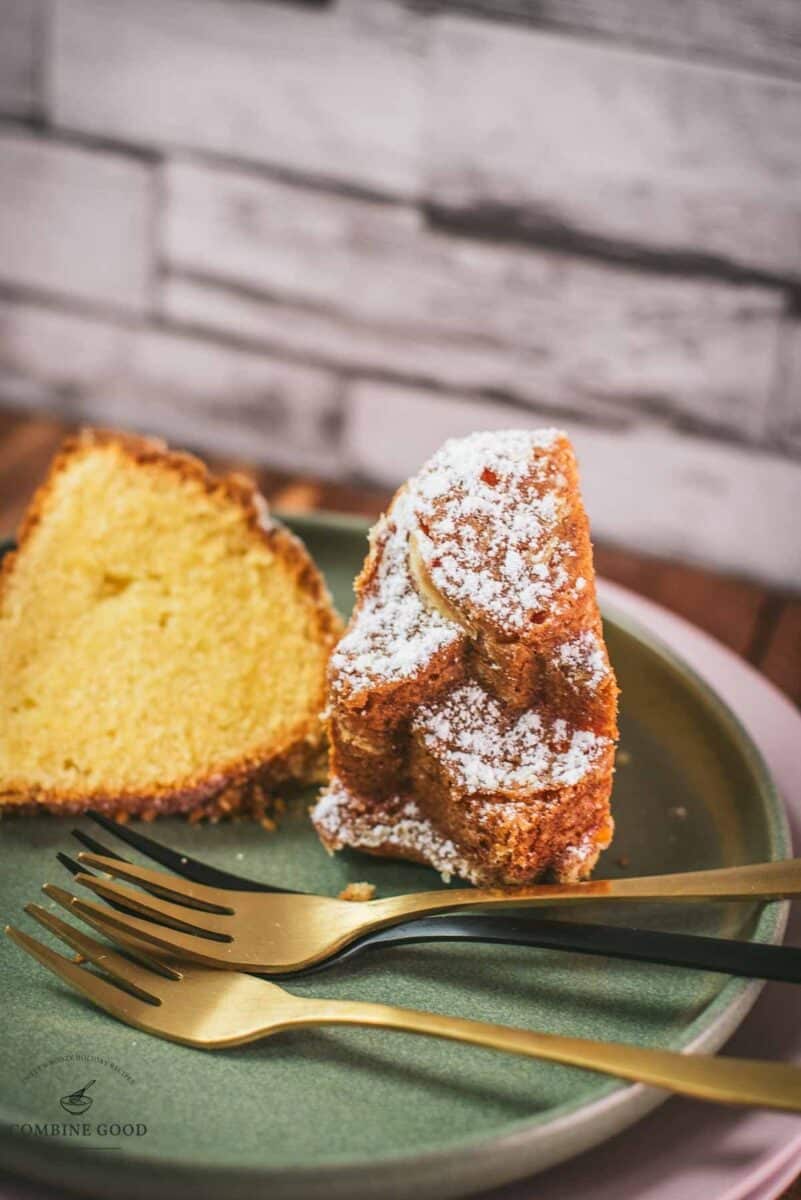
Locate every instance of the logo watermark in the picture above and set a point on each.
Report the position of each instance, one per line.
(77, 1102)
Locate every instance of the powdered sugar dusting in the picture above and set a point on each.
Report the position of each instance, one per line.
(339, 822)
(585, 658)
(574, 859)
(489, 751)
(487, 510)
(395, 633)
(483, 512)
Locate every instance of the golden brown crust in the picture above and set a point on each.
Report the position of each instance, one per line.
(243, 786)
(238, 785)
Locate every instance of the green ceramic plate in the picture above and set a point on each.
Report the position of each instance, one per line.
(350, 1113)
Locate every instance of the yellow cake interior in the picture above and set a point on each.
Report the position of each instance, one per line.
(148, 636)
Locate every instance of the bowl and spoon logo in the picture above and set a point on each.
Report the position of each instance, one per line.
(106, 1134)
(78, 1102)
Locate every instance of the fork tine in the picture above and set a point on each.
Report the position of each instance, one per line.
(74, 867)
(100, 991)
(119, 926)
(91, 914)
(182, 864)
(132, 944)
(59, 894)
(93, 845)
(122, 970)
(195, 895)
(176, 916)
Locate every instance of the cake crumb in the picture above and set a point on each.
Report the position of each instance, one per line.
(269, 824)
(358, 891)
(623, 861)
(623, 758)
(678, 811)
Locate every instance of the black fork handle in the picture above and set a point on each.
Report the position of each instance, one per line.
(752, 960)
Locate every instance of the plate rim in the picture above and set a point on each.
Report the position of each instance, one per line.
(457, 1169)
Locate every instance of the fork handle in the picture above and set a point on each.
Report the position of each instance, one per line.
(751, 960)
(725, 1080)
(755, 881)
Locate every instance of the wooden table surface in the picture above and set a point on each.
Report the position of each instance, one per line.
(759, 623)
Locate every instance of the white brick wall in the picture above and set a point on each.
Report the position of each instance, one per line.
(366, 282)
(75, 222)
(615, 144)
(762, 34)
(329, 235)
(189, 390)
(335, 93)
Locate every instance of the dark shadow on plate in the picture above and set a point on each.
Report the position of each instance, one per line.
(481, 979)
(324, 1046)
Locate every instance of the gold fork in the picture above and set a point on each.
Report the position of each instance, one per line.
(203, 1007)
(278, 932)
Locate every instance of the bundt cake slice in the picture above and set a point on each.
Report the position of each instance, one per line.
(163, 642)
(472, 704)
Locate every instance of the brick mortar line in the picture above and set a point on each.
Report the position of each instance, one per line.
(614, 419)
(158, 322)
(491, 223)
(517, 226)
(45, 130)
(73, 306)
(43, 36)
(431, 10)
(274, 172)
(38, 128)
(256, 294)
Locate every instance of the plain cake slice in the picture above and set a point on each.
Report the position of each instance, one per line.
(163, 643)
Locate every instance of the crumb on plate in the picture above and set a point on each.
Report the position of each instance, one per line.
(358, 891)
